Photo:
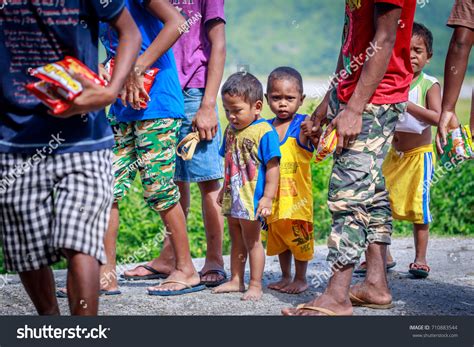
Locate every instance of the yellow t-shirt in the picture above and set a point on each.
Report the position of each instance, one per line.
(294, 199)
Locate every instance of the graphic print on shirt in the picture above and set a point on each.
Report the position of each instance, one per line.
(241, 169)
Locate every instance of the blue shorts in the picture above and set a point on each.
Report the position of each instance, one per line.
(207, 164)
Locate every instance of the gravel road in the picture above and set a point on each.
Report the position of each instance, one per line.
(448, 291)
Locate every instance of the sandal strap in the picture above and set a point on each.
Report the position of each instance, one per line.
(317, 309)
(177, 282)
(415, 266)
(186, 148)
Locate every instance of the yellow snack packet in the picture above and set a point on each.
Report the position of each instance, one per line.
(327, 145)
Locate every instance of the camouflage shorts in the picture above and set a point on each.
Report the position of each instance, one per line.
(357, 199)
(147, 147)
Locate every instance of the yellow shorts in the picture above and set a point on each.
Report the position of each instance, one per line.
(294, 235)
(408, 178)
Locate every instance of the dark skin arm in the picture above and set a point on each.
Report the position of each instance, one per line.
(454, 72)
(205, 120)
(95, 97)
(349, 121)
(170, 33)
(313, 128)
(431, 113)
(272, 180)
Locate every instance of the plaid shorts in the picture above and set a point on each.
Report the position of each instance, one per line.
(147, 147)
(53, 203)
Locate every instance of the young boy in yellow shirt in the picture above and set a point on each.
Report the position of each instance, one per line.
(290, 226)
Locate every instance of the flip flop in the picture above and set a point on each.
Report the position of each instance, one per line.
(363, 270)
(187, 290)
(213, 284)
(186, 148)
(155, 275)
(361, 303)
(322, 310)
(419, 270)
(61, 293)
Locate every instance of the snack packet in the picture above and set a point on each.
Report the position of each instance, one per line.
(458, 147)
(148, 80)
(57, 87)
(327, 145)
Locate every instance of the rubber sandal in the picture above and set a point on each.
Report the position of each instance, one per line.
(61, 293)
(419, 270)
(186, 148)
(187, 290)
(362, 269)
(361, 303)
(155, 275)
(213, 284)
(322, 310)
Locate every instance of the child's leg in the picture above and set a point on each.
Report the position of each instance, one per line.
(108, 272)
(285, 265)
(421, 235)
(176, 229)
(82, 283)
(299, 283)
(238, 258)
(251, 235)
(40, 286)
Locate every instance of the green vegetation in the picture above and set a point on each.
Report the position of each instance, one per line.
(306, 34)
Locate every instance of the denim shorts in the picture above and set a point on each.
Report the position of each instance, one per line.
(206, 164)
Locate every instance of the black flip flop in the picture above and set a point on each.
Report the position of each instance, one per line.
(362, 270)
(61, 293)
(155, 275)
(213, 284)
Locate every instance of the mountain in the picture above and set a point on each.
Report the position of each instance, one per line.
(306, 34)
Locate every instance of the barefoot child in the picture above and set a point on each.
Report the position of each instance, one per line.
(252, 153)
(409, 166)
(290, 227)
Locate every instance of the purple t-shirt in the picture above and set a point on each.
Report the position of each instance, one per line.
(193, 49)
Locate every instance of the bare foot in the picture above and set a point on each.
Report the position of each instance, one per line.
(179, 276)
(295, 287)
(325, 301)
(232, 286)
(371, 294)
(254, 293)
(283, 282)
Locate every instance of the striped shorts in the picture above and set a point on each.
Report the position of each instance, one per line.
(52, 203)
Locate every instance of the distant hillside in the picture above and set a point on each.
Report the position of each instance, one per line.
(306, 34)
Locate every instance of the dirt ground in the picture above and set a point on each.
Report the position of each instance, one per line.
(449, 290)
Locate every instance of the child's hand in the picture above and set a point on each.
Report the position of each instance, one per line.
(104, 74)
(307, 126)
(264, 207)
(220, 197)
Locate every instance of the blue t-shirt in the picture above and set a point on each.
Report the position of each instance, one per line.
(33, 34)
(166, 95)
(247, 153)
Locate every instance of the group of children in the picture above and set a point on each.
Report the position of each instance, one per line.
(268, 172)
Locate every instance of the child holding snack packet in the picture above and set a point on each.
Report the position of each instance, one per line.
(290, 227)
(252, 152)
